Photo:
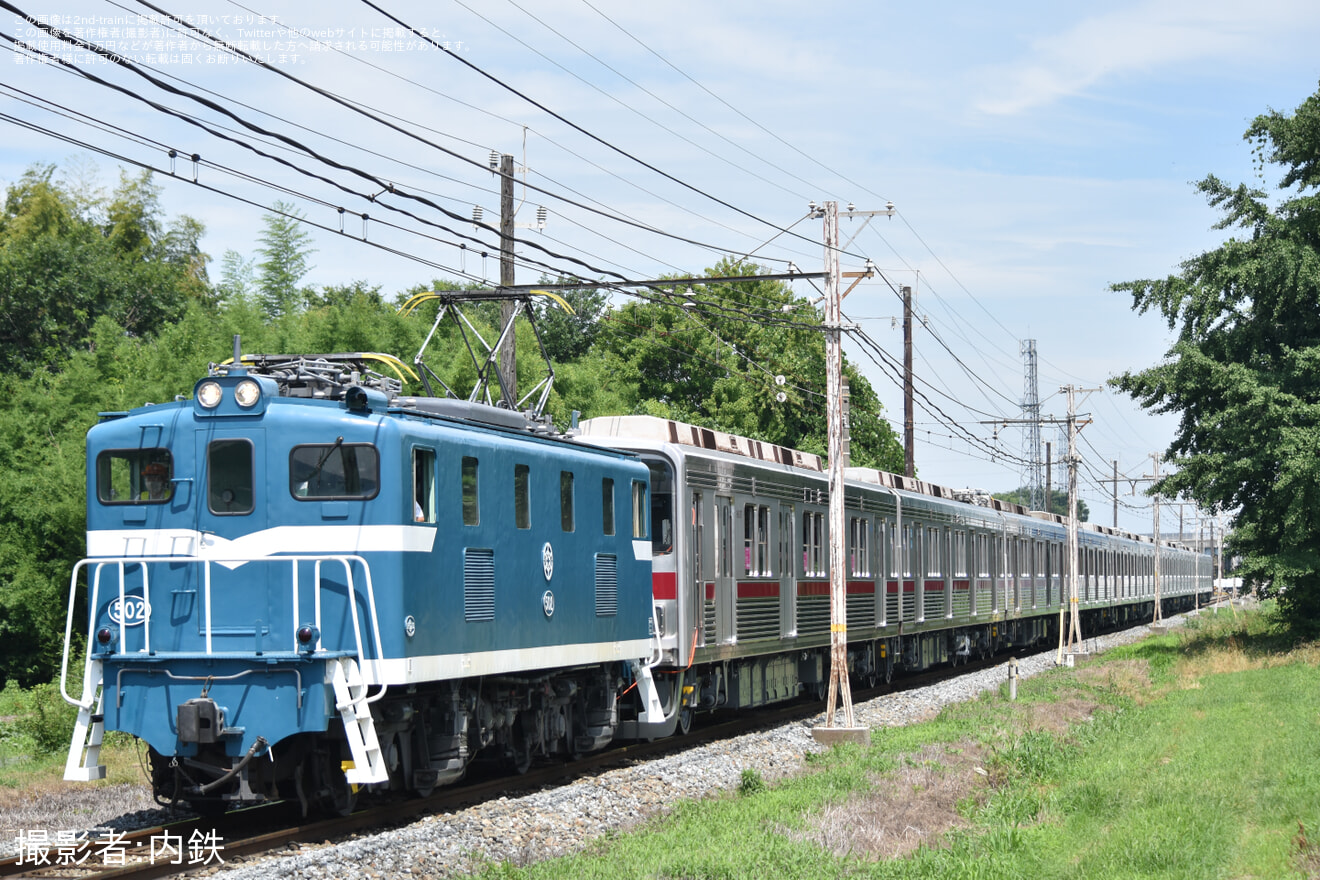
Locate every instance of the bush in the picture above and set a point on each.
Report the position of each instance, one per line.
(45, 719)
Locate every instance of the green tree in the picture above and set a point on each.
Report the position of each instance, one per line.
(569, 335)
(1058, 501)
(285, 247)
(63, 265)
(1244, 371)
(745, 357)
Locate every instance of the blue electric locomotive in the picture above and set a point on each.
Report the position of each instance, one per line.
(300, 583)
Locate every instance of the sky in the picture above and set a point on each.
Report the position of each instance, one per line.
(1035, 154)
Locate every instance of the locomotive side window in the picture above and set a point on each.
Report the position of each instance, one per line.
(638, 509)
(423, 485)
(229, 477)
(471, 507)
(522, 496)
(331, 471)
(607, 505)
(566, 500)
(134, 476)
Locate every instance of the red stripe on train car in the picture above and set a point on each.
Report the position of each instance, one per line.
(861, 587)
(962, 585)
(664, 585)
(710, 591)
(758, 590)
(813, 588)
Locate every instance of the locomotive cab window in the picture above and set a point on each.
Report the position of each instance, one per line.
(423, 507)
(229, 477)
(333, 471)
(134, 476)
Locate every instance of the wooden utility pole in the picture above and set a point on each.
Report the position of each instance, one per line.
(839, 685)
(909, 456)
(508, 308)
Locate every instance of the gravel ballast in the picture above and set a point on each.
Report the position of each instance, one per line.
(562, 820)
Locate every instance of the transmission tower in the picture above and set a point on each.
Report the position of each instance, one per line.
(1031, 477)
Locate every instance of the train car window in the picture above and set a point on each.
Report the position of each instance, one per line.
(638, 509)
(859, 551)
(423, 496)
(749, 536)
(960, 554)
(933, 566)
(331, 471)
(134, 476)
(756, 540)
(566, 500)
(522, 496)
(662, 507)
(471, 505)
(908, 550)
(229, 477)
(763, 541)
(698, 514)
(607, 505)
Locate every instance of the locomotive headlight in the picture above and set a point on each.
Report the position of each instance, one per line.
(247, 393)
(104, 636)
(209, 394)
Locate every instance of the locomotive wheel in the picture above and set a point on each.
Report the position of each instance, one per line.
(685, 719)
(336, 796)
(520, 751)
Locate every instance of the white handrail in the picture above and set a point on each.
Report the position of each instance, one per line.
(347, 560)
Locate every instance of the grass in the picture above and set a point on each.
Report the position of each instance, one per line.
(36, 726)
(1188, 755)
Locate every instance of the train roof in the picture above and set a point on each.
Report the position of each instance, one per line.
(661, 430)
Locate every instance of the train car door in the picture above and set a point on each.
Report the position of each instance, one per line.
(724, 589)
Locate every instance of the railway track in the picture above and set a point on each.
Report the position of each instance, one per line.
(199, 844)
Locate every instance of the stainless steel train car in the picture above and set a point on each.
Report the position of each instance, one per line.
(740, 570)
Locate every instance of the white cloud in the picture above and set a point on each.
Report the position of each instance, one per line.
(1139, 40)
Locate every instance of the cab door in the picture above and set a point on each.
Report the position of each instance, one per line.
(232, 503)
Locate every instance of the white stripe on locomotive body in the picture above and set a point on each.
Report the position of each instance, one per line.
(445, 667)
(330, 539)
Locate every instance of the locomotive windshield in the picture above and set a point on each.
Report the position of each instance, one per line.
(662, 507)
(134, 476)
(336, 470)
